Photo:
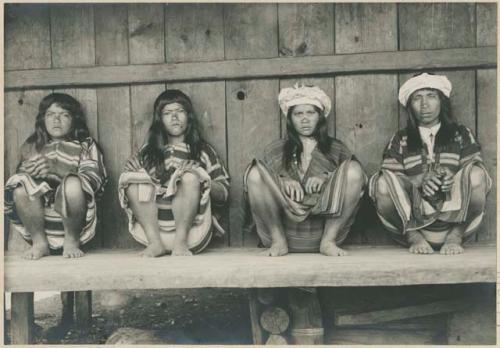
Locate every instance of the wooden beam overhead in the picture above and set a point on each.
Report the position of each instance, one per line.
(400, 61)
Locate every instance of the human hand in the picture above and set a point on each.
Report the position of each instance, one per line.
(314, 184)
(38, 167)
(447, 181)
(430, 184)
(293, 189)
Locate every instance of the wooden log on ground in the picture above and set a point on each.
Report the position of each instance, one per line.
(275, 320)
(380, 316)
(307, 324)
(381, 337)
(22, 318)
(257, 334)
(276, 340)
(83, 308)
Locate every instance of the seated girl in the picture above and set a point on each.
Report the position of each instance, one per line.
(304, 191)
(51, 200)
(431, 189)
(167, 188)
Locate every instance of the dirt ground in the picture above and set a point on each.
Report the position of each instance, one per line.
(194, 316)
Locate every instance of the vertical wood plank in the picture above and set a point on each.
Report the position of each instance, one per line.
(253, 121)
(305, 29)
(146, 33)
(486, 18)
(365, 28)
(438, 25)
(22, 318)
(72, 35)
(257, 333)
(27, 36)
(111, 27)
(83, 309)
(487, 133)
(68, 308)
(463, 97)
(250, 31)
(367, 116)
(194, 32)
(115, 137)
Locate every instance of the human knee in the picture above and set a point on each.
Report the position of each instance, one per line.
(20, 194)
(190, 180)
(382, 189)
(73, 187)
(477, 177)
(355, 174)
(253, 177)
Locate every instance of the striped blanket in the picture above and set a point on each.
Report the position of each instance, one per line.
(66, 158)
(164, 188)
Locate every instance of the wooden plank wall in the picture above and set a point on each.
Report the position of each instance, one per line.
(240, 116)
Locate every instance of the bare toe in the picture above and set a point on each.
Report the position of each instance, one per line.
(451, 249)
(36, 252)
(277, 249)
(331, 249)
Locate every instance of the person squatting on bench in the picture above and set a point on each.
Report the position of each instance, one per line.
(51, 199)
(304, 191)
(431, 189)
(167, 187)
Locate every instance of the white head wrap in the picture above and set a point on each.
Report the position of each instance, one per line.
(298, 95)
(424, 80)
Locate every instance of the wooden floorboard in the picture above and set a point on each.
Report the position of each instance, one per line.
(246, 268)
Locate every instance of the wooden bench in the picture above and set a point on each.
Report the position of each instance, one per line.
(233, 268)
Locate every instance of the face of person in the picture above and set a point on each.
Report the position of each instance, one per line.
(58, 121)
(426, 106)
(175, 119)
(305, 118)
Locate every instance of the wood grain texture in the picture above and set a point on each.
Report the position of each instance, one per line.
(142, 98)
(247, 268)
(274, 320)
(27, 36)
(72, 35)
(22, 318)
(253, 121)
(194, 32)
(250, 31)
(365, 28)
(305, 29)
(115, 138)
(463, 58)
(83, 309)
(442, 25)
(111, 27)
(487, 122)
(486, 19)
(146, 33)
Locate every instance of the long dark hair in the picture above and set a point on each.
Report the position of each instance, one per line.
(446, 132)
(293, 146)
(79, 130)
(157, 137)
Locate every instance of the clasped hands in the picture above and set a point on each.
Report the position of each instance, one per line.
(295, 191)
(41, 167)
(432, 183)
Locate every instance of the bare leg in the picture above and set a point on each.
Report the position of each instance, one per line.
(453, 242)
(185, 206)
(354, 188)
(266, 212)
(31, 214)
(147, 215)
(74, 223)
(417, 242)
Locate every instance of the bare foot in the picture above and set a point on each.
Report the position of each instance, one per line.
(278, 248)
(71, 249)
(37, 251)
(451, 249)
(153, 250)
(331, 249)
(421, 247)
(181, 250)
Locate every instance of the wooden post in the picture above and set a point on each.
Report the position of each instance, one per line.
(68, 308)
(307, 324)
(22, 318)
(257, 334)
(83, 306)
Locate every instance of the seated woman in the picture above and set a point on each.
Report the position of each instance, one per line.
(431, 189)
(167, 188)
(304, 191)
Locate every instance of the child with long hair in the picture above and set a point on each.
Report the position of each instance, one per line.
(431, 190)
(304, 191)
(51, 200)
(167, 187)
